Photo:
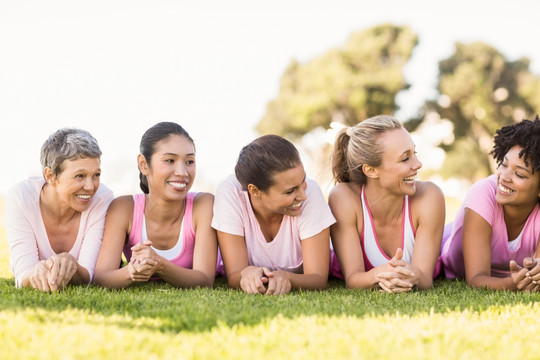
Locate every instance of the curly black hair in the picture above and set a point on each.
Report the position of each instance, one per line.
(526, 134)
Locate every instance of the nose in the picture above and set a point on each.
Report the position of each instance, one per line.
(417, 164)
(181, 169)
(301, 195)
(503, 173)
(89, 184)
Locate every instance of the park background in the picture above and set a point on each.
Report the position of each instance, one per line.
(453, 72)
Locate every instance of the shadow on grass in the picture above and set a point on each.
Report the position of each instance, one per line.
(162, 308)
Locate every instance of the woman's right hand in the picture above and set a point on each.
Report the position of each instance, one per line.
(140, 270)
(253, 280)
(520, 278)
(39, 276)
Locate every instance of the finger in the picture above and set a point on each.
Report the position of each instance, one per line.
(385, 288)
(529, 262)
(271, 287)
(395, 263)
(401, 283)
(267, 272)
(514, 267)
(398, 255)
(54, 268)
(397, 290)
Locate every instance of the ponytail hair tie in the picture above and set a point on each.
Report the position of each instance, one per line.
(349, 131)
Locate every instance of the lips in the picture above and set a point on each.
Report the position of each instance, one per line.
(505, 190)
(178, 185)
(410, 179)
(83, 196)
(296, 206)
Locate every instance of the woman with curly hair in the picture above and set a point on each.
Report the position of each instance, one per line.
(493, 242)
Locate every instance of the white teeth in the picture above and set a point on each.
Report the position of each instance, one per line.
(410, 178)
(295, 206)
(178, 185)
(85, 197)
(505, 190)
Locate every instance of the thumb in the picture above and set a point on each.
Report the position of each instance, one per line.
(398, 255)
(514, 267)
(267, 272)
(147, 242)
(529, 262)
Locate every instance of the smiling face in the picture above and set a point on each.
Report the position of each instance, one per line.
(171, 171)
(399, 166)
(516, 183)
(77, 183)
(287, 193)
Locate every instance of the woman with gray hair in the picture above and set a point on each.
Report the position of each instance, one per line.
(55, 222)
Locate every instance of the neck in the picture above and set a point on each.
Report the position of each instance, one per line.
(164, 211)
(517, 216)
(263, 215)
(384, 206)
(52, 207)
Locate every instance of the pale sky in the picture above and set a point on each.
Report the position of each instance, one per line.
(116, 68)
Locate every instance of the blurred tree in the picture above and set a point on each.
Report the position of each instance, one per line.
(345, 84)
(479, 92)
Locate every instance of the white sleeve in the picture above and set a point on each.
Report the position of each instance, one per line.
(316, 215)
(228, 208)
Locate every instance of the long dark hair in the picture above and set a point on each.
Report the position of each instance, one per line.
(149, 142)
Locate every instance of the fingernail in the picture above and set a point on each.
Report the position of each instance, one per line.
(528, 275)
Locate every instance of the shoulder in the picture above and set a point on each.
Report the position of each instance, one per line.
(230, 184)
(344, 193)
(427, 190)
(203, 199)
(122, 203)
(26, 189)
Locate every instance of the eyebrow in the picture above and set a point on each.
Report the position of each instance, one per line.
(173, 154)
(294, 187)
(520, 167)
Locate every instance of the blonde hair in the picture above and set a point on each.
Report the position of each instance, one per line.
(359, 145)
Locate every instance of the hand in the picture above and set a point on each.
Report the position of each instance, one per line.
(519, 277)
(62, 267)
(278, 282)
(39, 277)
(253, 279)
(147, 259)
(396, 276)
(140, 270)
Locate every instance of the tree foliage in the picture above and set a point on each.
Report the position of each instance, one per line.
(347, 84)
(479, 92)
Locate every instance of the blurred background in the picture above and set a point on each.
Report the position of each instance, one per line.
(453, 72)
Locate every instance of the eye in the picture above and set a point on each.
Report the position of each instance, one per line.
(289, 192)
(169, 161)
(503, 164)
(97, 175)
(190, 162)
(78, 176)
(406, 159)
(520, 176)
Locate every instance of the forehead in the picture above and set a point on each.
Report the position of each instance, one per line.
(87, 164)
(176, 144)
(395, 142)
(289, 178)
(513, 155)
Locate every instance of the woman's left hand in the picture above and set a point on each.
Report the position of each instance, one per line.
(145, 255)
(520, 278)
(278, 282)
(62, 267)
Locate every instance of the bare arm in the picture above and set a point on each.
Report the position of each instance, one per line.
(346, 238)
(430, 206)
(205, 252)
(477, 254)
(108, 272)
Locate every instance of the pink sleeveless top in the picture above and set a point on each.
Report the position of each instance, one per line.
(185, 258)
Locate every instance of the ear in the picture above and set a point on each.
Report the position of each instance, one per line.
(370, 171)
(142, 164)
(254, 191)
(49, 175)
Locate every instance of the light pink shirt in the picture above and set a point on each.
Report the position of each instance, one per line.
(27, 236)
(481, 199)
(234, 215)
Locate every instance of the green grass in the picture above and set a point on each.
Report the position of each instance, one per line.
(154, 321)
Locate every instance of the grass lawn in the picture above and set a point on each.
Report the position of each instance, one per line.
(155, 321)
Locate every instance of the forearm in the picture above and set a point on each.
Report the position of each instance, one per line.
(113, 279)
(184, 278)
(81, 276)
(363, 279)
(308, 281)
(234, 278)
(490, 282)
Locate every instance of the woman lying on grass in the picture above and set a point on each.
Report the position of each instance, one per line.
(55, 223)
(497, 229)
(165, 232)
(272, 222)
(389, 226)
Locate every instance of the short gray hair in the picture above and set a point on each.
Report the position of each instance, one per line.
(68, 144)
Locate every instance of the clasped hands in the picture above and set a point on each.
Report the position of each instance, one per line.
(54, 273)
(397, 276)
(144, 262)
(262, 280)
(526, 278)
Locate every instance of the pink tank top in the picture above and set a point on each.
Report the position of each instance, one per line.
(185, 257)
